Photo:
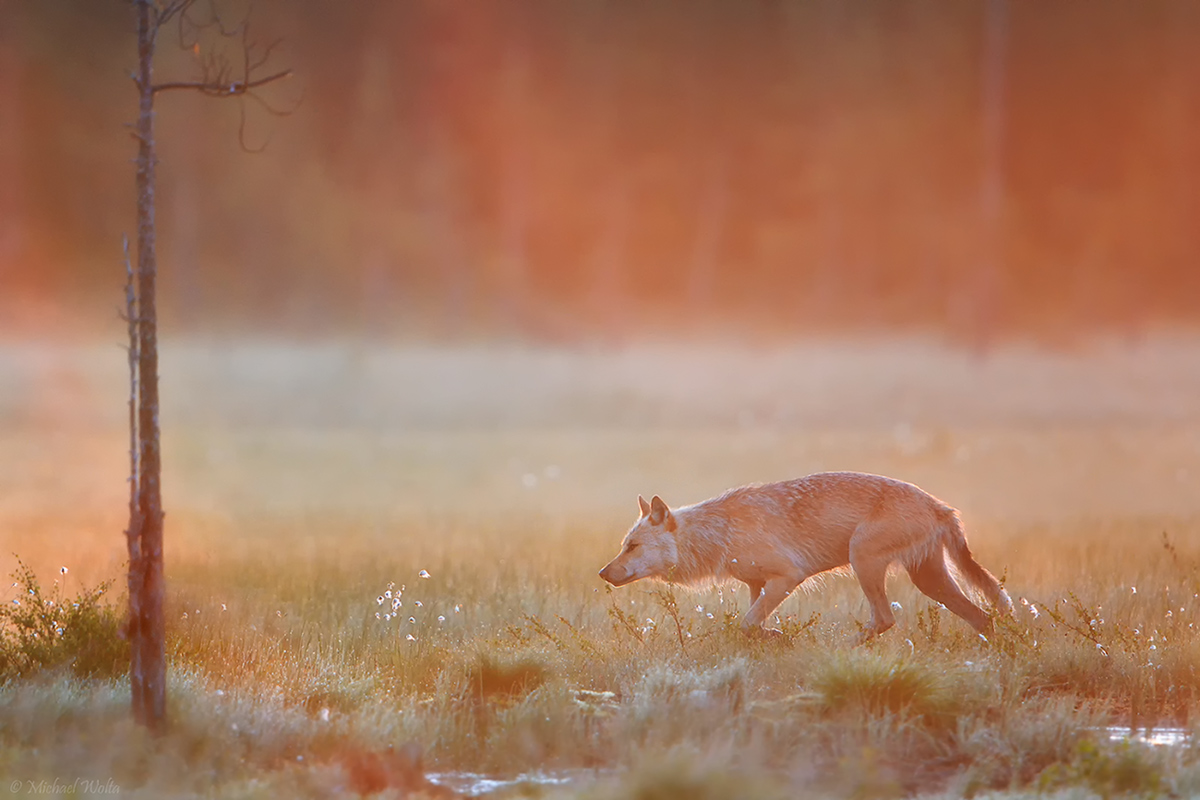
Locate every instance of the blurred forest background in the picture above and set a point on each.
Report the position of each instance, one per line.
(577, 170)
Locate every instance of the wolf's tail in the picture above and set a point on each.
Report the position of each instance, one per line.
(956, 545)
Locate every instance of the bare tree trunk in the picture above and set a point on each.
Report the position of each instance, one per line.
(133, 533)
(447, 226)
(11, 201)
(1180, 126)
(148, 667)
(614, 200)
(514, 252)
(375, 116)
(148, 683)
(609, 270)
(991, 201)
(710, 226)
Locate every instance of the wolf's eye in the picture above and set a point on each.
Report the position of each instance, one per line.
(632, 547)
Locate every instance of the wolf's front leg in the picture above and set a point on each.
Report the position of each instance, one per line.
(774, 592)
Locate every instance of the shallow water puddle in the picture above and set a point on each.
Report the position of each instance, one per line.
(473, 784)
(1157, 736)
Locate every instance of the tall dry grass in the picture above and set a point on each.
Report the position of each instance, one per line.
(304, 639)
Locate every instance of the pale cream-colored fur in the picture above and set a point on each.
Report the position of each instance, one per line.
(775, 536)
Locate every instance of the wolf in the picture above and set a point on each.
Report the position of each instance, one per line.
(774, 536)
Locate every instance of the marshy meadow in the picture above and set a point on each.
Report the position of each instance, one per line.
(381, 568)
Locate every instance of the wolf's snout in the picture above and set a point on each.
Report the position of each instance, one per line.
(614, 575)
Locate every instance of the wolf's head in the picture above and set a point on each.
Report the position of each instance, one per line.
(649, 549)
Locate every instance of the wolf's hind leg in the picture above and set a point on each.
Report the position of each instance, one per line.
(933, 578)
(774, 592)
(756, 589)
(872, 577)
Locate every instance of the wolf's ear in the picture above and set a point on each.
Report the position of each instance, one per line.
(658, 510)
(643, 506)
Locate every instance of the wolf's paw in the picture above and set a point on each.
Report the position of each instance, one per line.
(865, 636)
(767, 635)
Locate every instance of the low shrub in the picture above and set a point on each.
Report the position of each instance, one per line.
(875, 685)
(1125, 769)
(43, 630)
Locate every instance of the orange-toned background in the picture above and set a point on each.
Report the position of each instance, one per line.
(571, 170)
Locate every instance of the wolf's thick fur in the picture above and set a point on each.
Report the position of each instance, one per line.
(772, 537)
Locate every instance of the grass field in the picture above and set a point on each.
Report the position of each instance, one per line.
(308, 489)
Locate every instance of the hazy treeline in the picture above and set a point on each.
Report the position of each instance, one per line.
(561, 169)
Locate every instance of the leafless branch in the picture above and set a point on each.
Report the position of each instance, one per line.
(164, 11)
(264, 58)
(270, 109)
(220, 88)
(242, 133)
(228, 33)
(188, 22)
(219, 77)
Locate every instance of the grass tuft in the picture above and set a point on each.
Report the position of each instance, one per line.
(691, 777)
(865, 683)
(491, 678)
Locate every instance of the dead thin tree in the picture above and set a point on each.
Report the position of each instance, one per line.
(990, 271)
(220, 76)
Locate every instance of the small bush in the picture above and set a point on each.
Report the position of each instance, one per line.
(876, 686)
(331, 692)
(690, 778)
(492, 679)
(41, 631)
(1119, 769)
(668, 687)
